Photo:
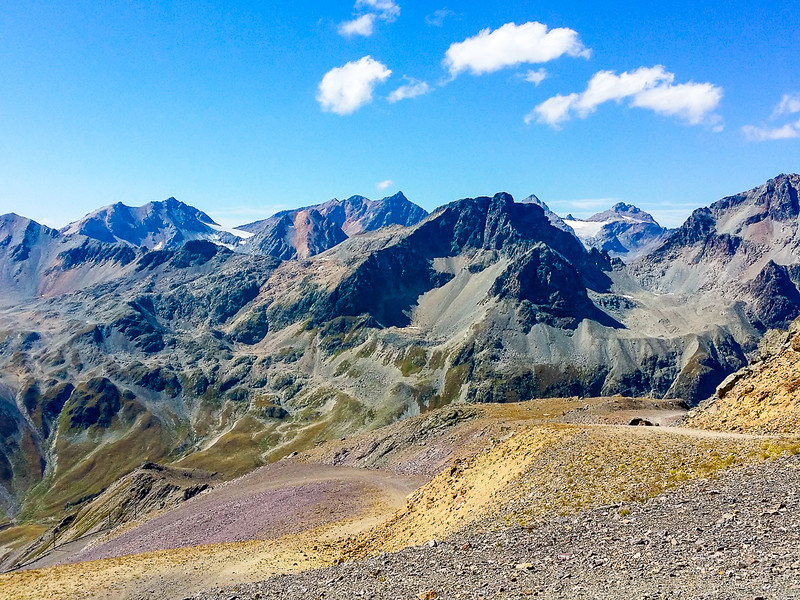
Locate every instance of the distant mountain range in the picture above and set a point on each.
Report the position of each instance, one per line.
(154, 226)
(155, 334)
(298, 233)
(624, 231)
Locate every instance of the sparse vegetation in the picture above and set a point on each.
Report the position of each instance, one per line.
(412, 361)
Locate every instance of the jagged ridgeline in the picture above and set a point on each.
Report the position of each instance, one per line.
(172, 339)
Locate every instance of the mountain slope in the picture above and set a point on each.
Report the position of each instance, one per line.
(745, 246)
(296, 234)
(26, 248)
(155, 225)
(36, 261)
(497, 471)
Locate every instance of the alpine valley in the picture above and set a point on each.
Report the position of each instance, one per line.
(154, 335)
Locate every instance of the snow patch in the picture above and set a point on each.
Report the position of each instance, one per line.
(232, 230)
(586, 229)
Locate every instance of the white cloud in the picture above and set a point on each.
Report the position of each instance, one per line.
(553, 110)
(646, 87)
(691, 102)
(345, 89)
(511, 45)
(536, 77)
(385, 10)
(607, 85)
(789, 105)
(412, 89)
(363, 25)
(763, 134)
(438, 16)
(382, 185)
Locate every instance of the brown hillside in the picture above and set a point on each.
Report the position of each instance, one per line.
(763, 398)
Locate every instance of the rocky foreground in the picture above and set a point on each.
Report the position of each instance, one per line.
(736, 536)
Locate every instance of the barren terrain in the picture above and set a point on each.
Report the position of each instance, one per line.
(462, 475)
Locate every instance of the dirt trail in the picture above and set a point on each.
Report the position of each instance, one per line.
(687, 431)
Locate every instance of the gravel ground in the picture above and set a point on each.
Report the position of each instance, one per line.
(734, 537)
(266, 504)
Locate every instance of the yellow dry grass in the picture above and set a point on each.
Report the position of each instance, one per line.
(544, 470)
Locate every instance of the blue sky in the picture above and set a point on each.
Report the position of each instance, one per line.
(244, 108)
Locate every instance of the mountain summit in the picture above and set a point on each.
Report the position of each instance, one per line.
(624, 231)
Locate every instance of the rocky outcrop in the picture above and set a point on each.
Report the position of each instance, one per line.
(549, 289)
(776, 298)
(761, 398)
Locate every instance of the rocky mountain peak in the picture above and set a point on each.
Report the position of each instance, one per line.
(398, 198)
(159, 224)
(779, 197)
(624, 231)
(625, 211)
(12, 221)
(501, 224)
(776, 199)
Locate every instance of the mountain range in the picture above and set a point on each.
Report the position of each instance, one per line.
(155, 334)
